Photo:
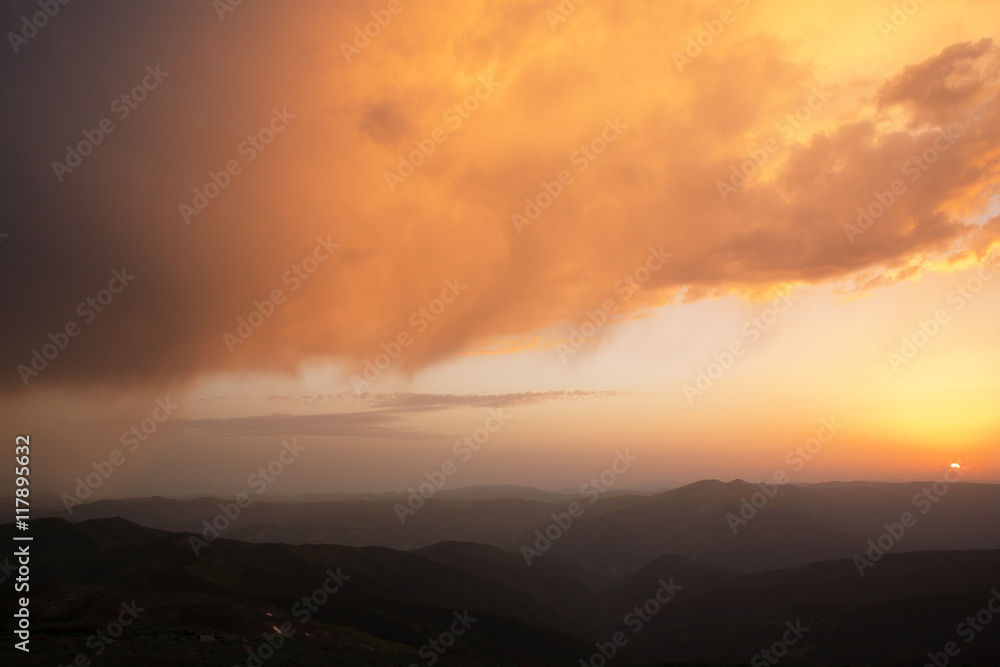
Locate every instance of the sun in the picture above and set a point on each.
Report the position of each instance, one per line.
(956, 465)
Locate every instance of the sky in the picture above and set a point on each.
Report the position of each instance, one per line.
(731, 238)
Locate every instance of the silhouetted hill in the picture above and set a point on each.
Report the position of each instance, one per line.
(392, 601)
(351, 522)
(212, 608)
(618, 534)
(692, 575)
(797, 525)
(480, 492)
(567, 586)
(904, 607)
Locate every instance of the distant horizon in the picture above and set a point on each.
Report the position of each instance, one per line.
(568, 492)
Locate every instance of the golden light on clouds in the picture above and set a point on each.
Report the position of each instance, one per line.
(534, 157)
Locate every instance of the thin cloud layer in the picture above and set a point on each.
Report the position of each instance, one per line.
(385, 415)
(410, 402)
(346, 425)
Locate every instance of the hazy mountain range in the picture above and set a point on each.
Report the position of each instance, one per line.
(788, 572)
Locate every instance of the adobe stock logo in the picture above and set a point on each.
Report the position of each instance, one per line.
(779, 649)
(122, 106)
(422, 318)
(967, 630)
(635, 620)
(264, 308)
(741, 174)
(796, 457)
(250, 148)
(86, 309)
(229, 513)
(223, 7)
(30, 28)
(915, 167)
(899, 17)
(928, 329)
(372, 29)
(894, 532)
(592, 490)
(630, 283)
(704, 38)
(752, 329)
(436, 647)
(133, 438)
(581, 158)
(465, 449)
(455, 116)
(562, 12)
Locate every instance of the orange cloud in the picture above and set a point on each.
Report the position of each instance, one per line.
(415, 156)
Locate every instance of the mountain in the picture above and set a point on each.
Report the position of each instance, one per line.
(716, 522)
(495, 491)
(389, 602)
(350, 522)
(711, 522)
(570, 588)
(386, 606)
(906, 606)
(480, 492)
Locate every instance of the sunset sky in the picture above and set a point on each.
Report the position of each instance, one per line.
(517, 207)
